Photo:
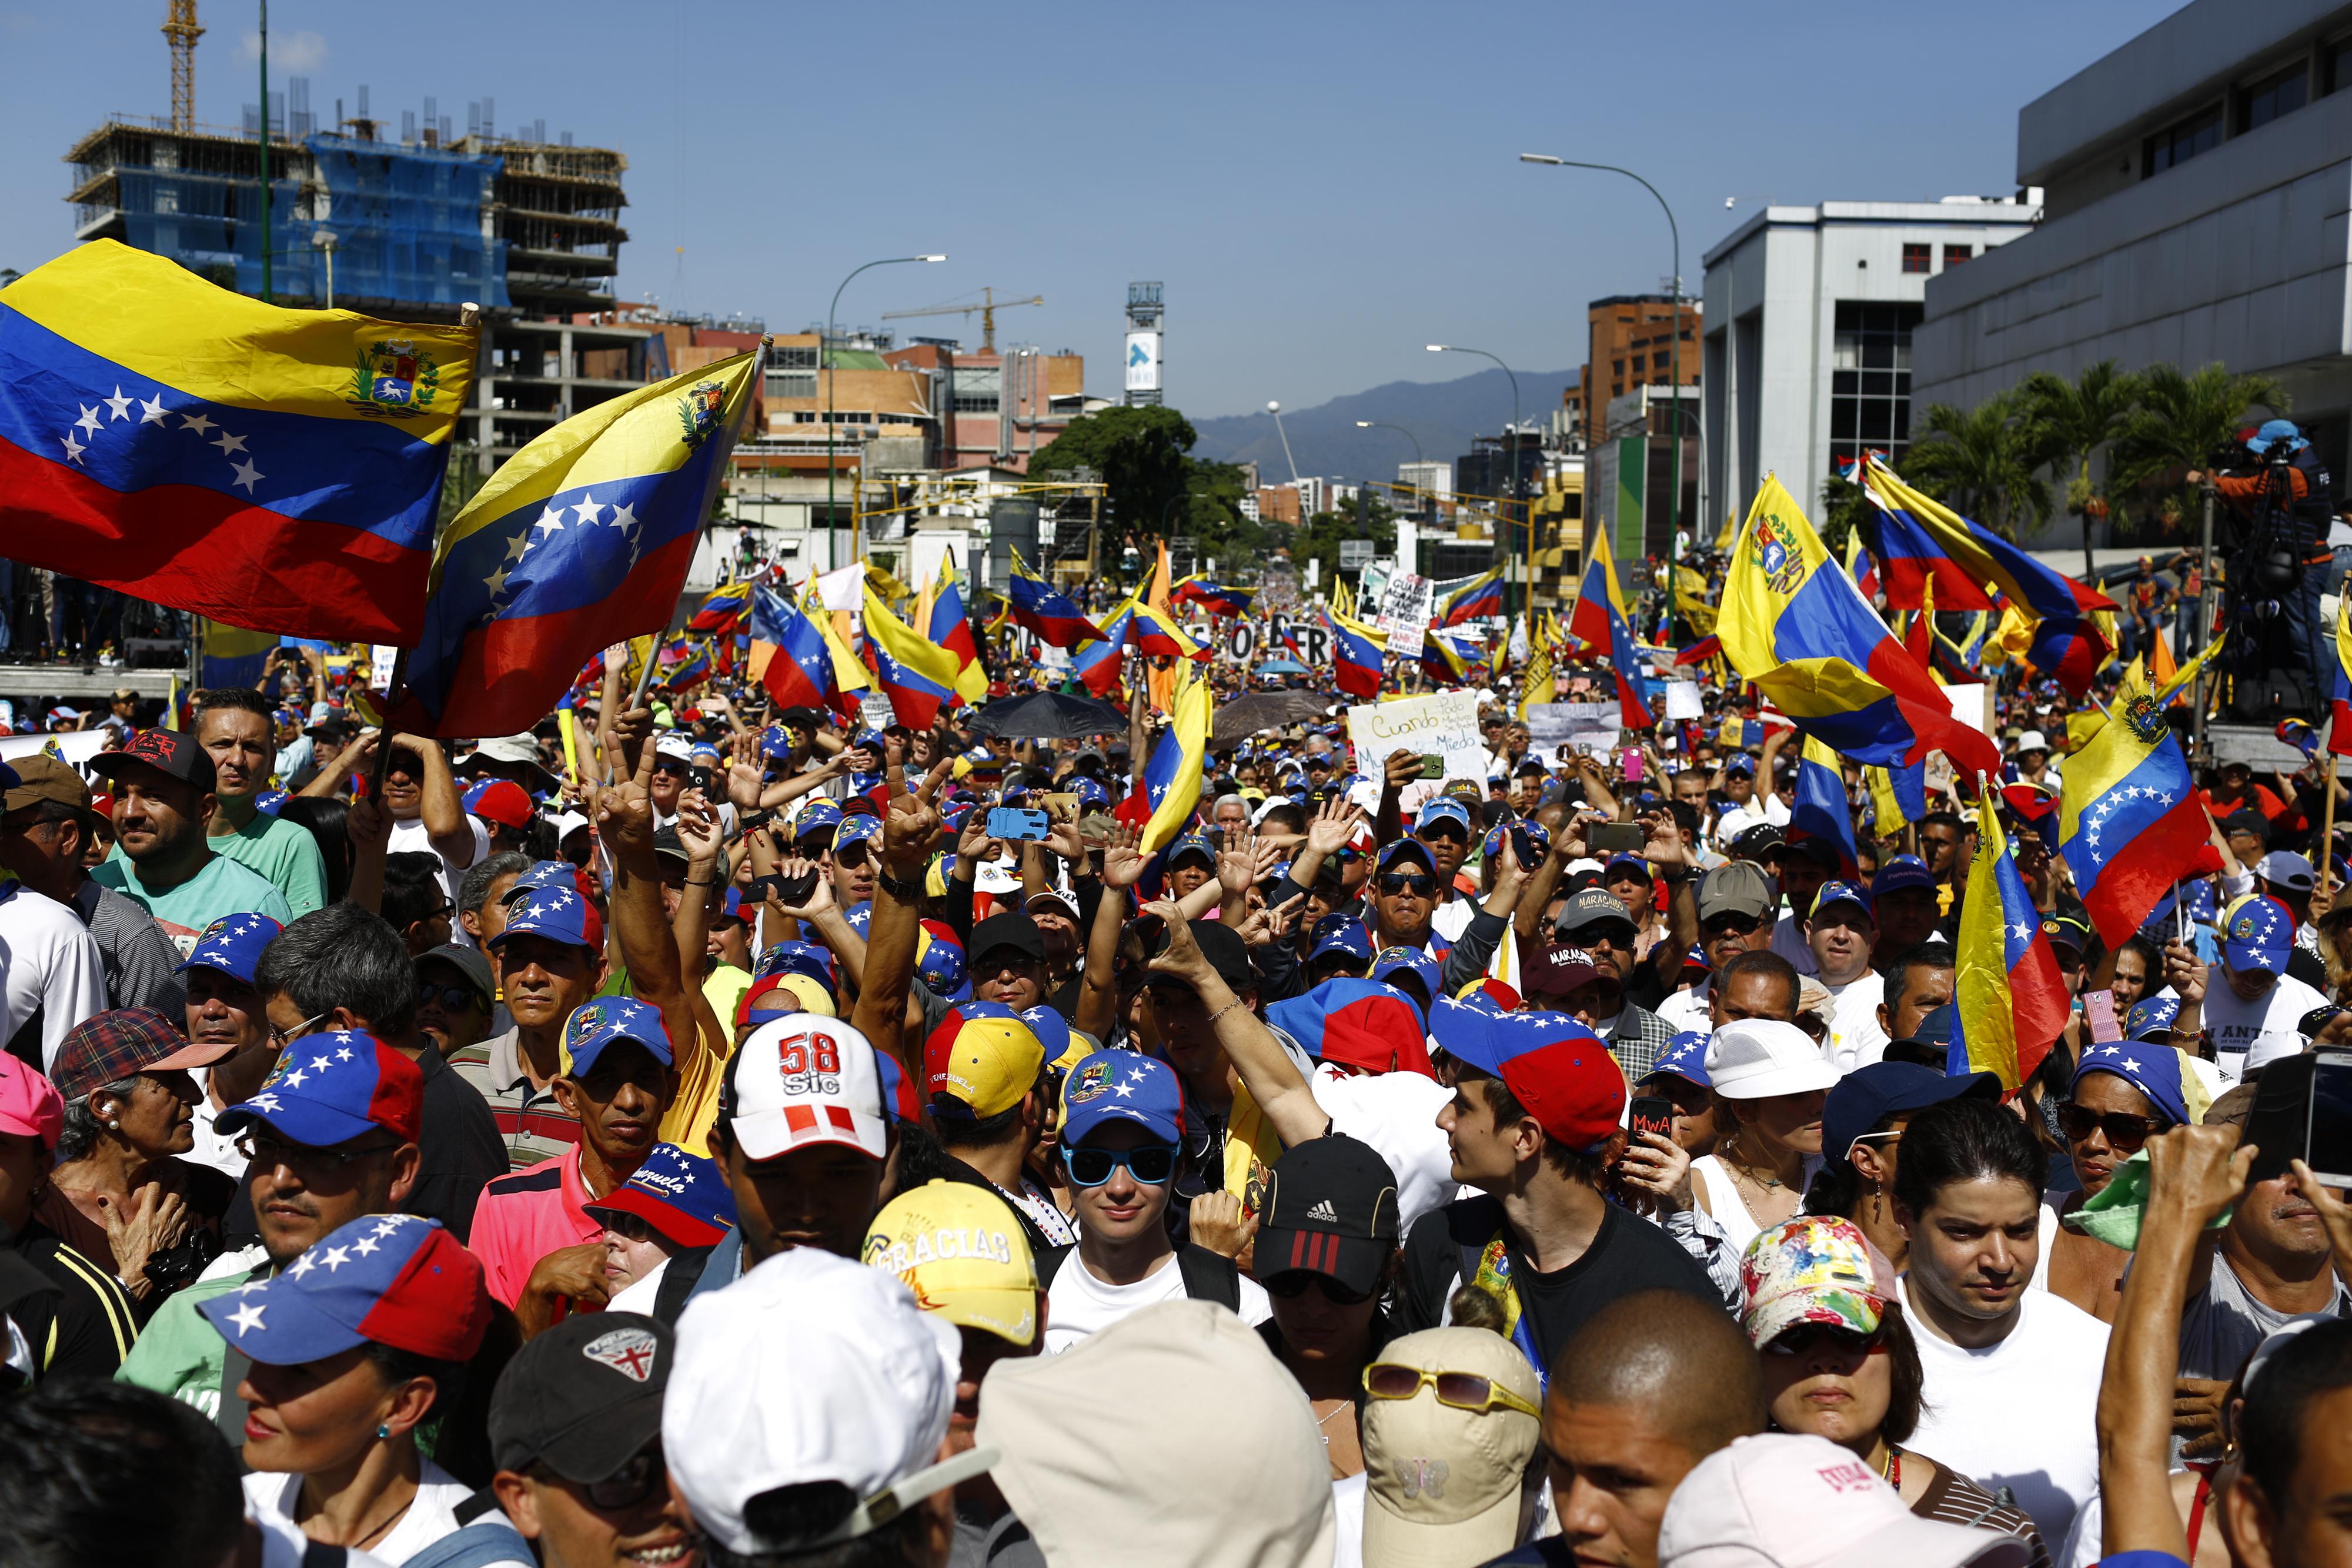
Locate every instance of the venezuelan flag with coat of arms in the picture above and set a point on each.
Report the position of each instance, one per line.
(2011, 999)
(1795, 623)
(270, 468)
(582, 538)
(2130, 822)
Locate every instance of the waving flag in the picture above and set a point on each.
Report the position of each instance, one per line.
(1925, 539)
(1357, 651)
(1475, 599)
(722, 608)
(850, 676)
(800, 675)
(1600, 620)
(692, 666)
(1171, 780)
(1700, 651)
(1155, 630)
(1535, 682)
(916, 675)
(2130, 822)
(952, 629)
(1217, 599)
(1822, 814)
(2011, 1000)
(1055, 621)
(278, 469)
(580, 537)
(1102, 661)
(1442, 662)
(231, 655)
(1795, 623)
(2339, 679)
(1691, 602)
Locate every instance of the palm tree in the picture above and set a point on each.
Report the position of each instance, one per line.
(1984, 462)
(2181, 422)
(2070, 422)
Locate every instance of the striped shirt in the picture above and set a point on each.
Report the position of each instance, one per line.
(532, 1124)
(1953, 1499)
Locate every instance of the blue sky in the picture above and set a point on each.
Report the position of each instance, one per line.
(1322, 188)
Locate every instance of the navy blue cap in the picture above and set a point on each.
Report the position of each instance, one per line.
(232, 944)
(1444, 809)
(2150, 1019)
(1899, 873)
(593, 1029)
(1347, 935)
(1684, 1057)
(1857, 1102)
(1390, 853)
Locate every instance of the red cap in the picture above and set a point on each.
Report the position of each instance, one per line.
(503, 801)
(1573, 1087)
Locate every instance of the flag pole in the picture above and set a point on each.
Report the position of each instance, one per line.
(2327, 831)
(392, 692)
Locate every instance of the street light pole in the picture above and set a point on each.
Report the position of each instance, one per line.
(824, 355)
(1275, 408)
(1675, 351)
(325, 240)
(1528, 574)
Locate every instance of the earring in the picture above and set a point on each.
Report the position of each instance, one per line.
(383, 1429)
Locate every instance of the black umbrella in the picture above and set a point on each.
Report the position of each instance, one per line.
(1049, 716)
(1246, 715)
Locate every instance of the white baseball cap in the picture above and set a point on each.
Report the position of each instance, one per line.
(1796, 1501)
(811, 1368)
(674, 743)
(1755, 1058)
(2033, 740)
(800, 1080)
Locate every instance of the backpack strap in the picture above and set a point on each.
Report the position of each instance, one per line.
(318, 1555)
(479, 1545)
(678, 1282)
(1049, 1263)
(1210, 1276)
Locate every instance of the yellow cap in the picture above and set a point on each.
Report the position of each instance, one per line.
(960, 1249)
(810, 992)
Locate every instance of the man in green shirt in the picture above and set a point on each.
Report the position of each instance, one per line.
(234, 726)
(164, 804)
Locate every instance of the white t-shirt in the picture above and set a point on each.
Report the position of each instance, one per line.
(2020, 1413)
(410, 838)
(2236, 1023)
(283, 1543)
(430, 1517)
(1853, 1022)
(1454, 917)
(1079, 1304)
(49, 964)
(1687, 1010)
(1396, 1113)
(1788, 942)
(1348, 1509)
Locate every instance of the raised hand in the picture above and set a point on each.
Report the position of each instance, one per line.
(1335, 822)
(1123, 864)
(914, 831)
(697, 827)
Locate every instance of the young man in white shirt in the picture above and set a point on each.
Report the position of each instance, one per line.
(2012, 1373)
(1122, 1134)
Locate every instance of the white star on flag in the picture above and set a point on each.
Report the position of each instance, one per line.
(119, 404)
(247, 475)
(625, 516)
(365, 1245)
(195, 421)
(151, 410)
(89, 420)
(74, 449)
(229, 444)
(303, 1265)
(588, 510)
(335, 1258)
(550, 521)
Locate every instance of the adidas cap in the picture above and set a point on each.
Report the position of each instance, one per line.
(1331, 1209)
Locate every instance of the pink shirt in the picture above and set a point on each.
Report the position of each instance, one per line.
(524, 1217)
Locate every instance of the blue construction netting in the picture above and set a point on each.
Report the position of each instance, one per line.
(409, 224)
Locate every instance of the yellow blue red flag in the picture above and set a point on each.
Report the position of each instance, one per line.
(2130, 821)
(1599, 622)
(917, 675)
(271, 468)
(581, 539)
(1170, 783)
(951, 629)
(2010, 997)
(1795, 623)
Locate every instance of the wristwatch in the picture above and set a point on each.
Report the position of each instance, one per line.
(905, 890)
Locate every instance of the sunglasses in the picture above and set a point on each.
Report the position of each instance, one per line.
(1293, 1283)
(630, 1485)
(1729, 924)
(2125, 1132)
(1804, 1339)
(1153, 1164)
(1461, 1390)
(456, 998)
(1412, 882)
(851, 855)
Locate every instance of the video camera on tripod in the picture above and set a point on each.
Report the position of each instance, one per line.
(2275, 545)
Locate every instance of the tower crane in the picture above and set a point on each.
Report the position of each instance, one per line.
(180, 29)
(988, 307)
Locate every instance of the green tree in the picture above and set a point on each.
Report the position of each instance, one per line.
(2181, 421)
(1140, 454)
(2070, 421)
(1983, 463)
(1319, 539)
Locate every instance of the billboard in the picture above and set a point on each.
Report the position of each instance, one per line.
(1143, 361)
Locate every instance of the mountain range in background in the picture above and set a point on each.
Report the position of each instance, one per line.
(1326, 441)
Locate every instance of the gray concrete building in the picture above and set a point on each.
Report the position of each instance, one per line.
(1809, 316)
(2197, 185)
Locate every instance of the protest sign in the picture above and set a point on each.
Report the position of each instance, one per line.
(1445, 725)
(1405, 613)
(1682, 700)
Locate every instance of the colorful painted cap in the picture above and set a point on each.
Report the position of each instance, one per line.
(797, 958)
(819, 815)
(539, 875)
(1121, 1086)
(558, 914)
(232, 944)
(596, 1026)
(1815, 1269)
(383, 1279)
(499, 800)
(329, 1089)
(981, 1060)
(2151, 1019)
(1835, 891)
(2157, 1071)
(856, 828)
(960, 1249)
(1346, 936)
(802, 1082)
(681, 1196)
(1392, 962)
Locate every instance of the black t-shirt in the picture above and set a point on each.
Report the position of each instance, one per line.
(87, 1326)
(1627, 1256)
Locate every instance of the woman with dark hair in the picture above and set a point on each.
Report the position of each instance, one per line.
(2138, 972)
(1840, 1363)
(356, 1344)
(325, 817)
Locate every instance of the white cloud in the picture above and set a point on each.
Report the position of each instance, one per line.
(295, 53)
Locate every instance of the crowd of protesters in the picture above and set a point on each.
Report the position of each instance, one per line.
(711, 1142)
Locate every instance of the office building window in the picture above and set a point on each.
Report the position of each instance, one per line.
(2181, 141)
(975, 403)
(801, 383)
(1956, 254)
(2282, 92)
(1918, 258)
(790, 358)
(1870, 379)
(2336, 66)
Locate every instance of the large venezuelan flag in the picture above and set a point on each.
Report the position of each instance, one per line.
(1170, 783)
(274, 469)
(1600, 620)
(1358, 653)
(916, 674)
(1923, 540)
(951, 628)
(1822, 814)
(2129, 821)
(1056, 622)
(2011, 1000)
(583, 537)
(1795, 623)
(1475, 599)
